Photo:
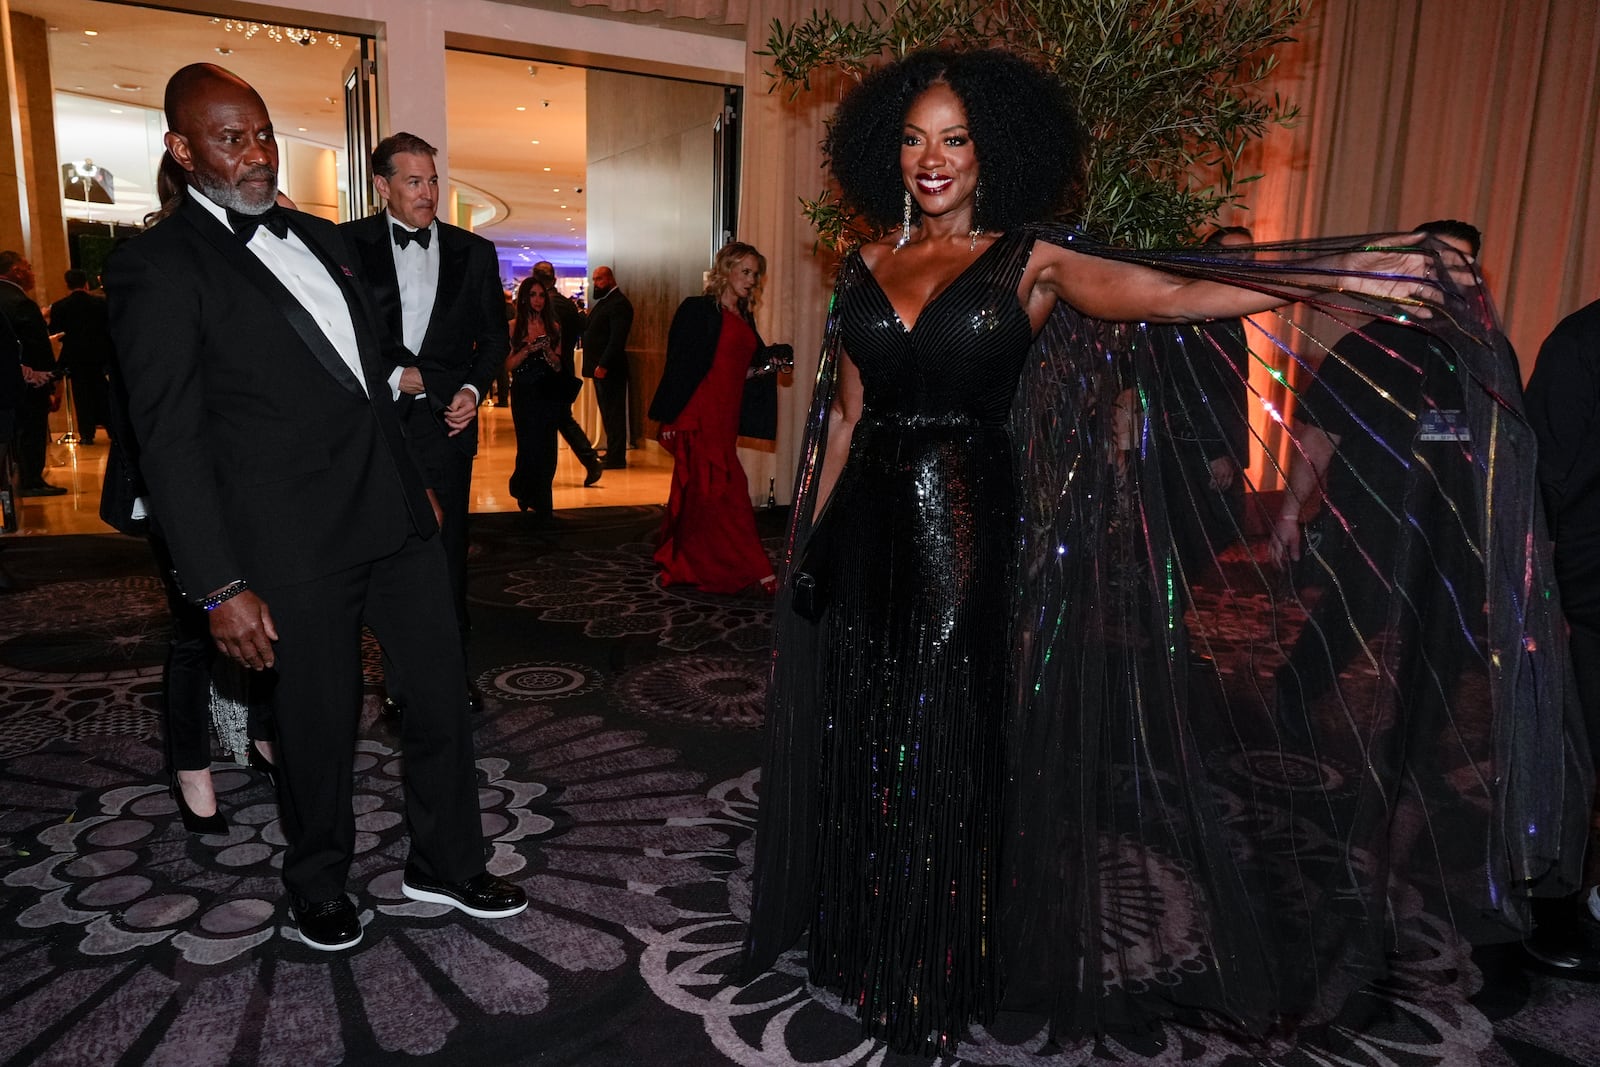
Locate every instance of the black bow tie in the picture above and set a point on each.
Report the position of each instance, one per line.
(403, 236)
(275, 219)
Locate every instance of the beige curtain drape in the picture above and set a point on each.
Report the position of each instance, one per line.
(1486, 111)
(1421, 109)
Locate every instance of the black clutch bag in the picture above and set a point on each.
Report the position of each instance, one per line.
(811, 578)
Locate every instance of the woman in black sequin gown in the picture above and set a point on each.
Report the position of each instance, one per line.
(940, 829)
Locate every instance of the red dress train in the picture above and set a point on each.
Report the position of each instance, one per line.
(708, 538)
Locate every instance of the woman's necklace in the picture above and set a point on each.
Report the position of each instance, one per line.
(972, 240)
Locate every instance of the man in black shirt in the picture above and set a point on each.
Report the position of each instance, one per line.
(1563, 403)
(570, 320)
(81, 320)
(32, 433)
(1384, 405)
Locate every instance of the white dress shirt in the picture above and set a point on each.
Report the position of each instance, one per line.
(303, 273)
(417, 270)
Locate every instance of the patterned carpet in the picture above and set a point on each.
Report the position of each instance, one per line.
(618, 754)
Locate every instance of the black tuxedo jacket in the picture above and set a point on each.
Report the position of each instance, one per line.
(27, 322)
(263, 455)
(83, 318)
(467, 340)
(605, 339)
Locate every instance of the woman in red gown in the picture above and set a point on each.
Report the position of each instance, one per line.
(708, 538)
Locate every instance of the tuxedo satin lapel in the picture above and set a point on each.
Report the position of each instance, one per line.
(453, 256)
(377, 256)
(233, 250)
(360, 310)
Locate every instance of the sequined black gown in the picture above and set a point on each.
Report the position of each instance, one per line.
(995, 778)
(920, 528)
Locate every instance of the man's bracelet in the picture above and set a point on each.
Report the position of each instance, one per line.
(225, 594)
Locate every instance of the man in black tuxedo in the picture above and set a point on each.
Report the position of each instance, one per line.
(605, 359)
(81, 320)
(270, 447)
(31, 436)
(437, 291)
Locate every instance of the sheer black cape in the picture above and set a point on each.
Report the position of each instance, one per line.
(1174, 846)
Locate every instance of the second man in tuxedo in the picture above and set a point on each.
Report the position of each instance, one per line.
(437, 291)
(605, 359)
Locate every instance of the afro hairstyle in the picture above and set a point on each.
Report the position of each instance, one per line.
(1028, 141)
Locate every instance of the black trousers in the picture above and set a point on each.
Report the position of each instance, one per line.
(446, 469)
(316, 702)
(611, 394)
(91, 398)
(573, 434)
(536, 412)
(33, 434)
(1204, 521)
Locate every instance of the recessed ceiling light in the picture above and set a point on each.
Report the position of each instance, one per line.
(91, 33)
(301, 129)
(555, 190)
(533, 142)
(521, 108)
(130, 88)
(547, 168)
(221, 51)
(115, 110)
(563, 207)
(569, 218)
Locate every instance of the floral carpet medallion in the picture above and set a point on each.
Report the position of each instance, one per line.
(139, 936)
(616, 593)
(75, 661)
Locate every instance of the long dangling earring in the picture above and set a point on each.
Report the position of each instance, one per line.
(905, 224)
(977, 228)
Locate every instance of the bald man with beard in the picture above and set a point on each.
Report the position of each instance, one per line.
(258, 392)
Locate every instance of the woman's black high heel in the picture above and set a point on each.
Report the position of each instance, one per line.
(197, 824)
(263, 766)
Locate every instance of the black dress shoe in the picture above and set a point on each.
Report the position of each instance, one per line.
(483, 895)
(326, 925)
(196, 824)
(391, 707)
(474, 698)
(595, 468)
(43, 489)
(1566, 936)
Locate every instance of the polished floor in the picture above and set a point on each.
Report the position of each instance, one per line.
(79, 468)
